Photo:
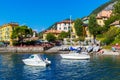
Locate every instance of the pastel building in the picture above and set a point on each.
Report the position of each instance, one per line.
(102, 16)
(6, 31)
(54, 32)
(73, 32)
(85, 20)
(64, 25)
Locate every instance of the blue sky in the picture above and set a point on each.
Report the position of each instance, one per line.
(40, 14)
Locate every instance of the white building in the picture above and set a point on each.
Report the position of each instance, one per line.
(64, 25)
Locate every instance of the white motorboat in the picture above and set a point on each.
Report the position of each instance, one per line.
(74, 55)
(36, 60)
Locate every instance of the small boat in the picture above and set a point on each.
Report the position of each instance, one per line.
(36, 60)
(74, 55)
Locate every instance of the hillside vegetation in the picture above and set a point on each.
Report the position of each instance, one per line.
(107, 6)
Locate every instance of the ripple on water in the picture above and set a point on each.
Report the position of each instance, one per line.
(97, 68)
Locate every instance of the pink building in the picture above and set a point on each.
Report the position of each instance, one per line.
(102, 16)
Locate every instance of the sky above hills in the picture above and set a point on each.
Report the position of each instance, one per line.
(40, 14)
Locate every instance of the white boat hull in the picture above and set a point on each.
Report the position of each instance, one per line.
(75, 56)
(36, 60)
(35, 63)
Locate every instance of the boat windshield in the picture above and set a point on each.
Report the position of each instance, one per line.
(31, 56)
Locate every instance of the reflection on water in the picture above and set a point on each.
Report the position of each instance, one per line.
(34, 73)
(97, 68)
(74, 63)
(71, 62)
(32, 69)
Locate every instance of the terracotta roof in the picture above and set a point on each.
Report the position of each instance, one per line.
(53, 31)
(104, 14)
(32, 38)
(115, 23)
(65, 21)
(10, 24)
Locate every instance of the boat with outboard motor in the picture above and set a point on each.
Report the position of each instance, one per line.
(36, 60)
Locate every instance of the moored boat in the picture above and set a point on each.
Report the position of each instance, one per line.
(74, 55)
(36, 60)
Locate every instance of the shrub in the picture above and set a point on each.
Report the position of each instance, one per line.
(110, 35)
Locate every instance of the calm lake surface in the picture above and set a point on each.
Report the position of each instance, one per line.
(97, 68)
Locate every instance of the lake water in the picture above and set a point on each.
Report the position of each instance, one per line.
(97, 68)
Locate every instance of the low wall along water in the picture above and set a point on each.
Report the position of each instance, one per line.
(21, 49)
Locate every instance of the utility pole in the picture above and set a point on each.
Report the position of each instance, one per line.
(70, 32)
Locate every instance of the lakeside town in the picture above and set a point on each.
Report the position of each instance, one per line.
(102, 29)
(60, 40)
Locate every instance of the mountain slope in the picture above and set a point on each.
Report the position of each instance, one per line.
(106, 6)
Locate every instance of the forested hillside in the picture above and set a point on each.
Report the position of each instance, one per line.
(106, 6)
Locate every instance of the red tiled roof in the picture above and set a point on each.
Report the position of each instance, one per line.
(53, 31)
(104, 14)
(32, 38)
(65, 21)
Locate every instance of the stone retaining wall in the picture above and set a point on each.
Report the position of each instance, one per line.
(21, 49)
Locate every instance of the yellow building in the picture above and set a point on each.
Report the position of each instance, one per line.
(73, 32)
(54, 32)
(6, 32)
(86, 32)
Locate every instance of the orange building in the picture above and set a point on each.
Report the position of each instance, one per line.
(54, 32)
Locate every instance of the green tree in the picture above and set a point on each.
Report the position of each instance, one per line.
(63, 35)
(93, 26)
(78, 24)
(111, 35)
(40, 35)
(50, 37)
(21, 32)
(117, 7)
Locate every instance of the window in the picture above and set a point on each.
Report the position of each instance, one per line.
(68, 27)
(59, 28)
(65, 28)
(31, 56)
(7, 29)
